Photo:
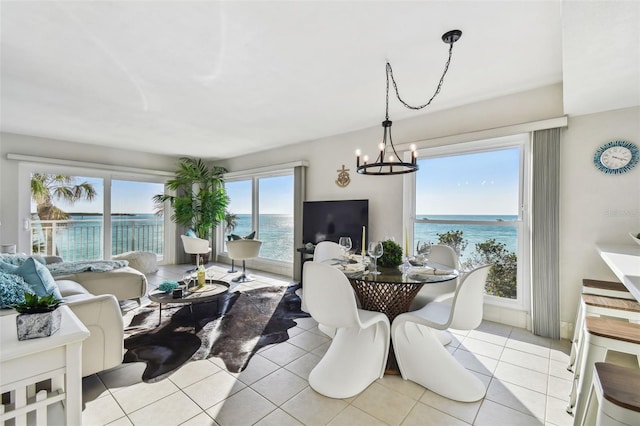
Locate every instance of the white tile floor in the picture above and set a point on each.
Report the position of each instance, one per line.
(526, 377)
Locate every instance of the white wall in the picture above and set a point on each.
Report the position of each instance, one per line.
(12, 213)
(326, 156)
(595, 207)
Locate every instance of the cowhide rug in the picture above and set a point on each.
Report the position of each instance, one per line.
(233, 329)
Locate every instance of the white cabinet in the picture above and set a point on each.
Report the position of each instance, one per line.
(41, 378)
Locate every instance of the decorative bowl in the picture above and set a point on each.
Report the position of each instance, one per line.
(637, 240)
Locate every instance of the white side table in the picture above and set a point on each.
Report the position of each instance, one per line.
(25, 364)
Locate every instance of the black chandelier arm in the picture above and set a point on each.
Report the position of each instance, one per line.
(395, 85)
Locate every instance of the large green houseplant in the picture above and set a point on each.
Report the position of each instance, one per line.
(200, 200)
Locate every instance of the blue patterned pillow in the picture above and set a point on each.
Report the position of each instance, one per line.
(12, 289)
(19, 259)
(36, 275)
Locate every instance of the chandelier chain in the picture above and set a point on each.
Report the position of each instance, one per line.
(395, 85)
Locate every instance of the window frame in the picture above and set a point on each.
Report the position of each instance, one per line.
(521, 141)
(107, 176)
(255, 177)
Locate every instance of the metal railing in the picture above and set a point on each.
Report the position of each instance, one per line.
(83, 239)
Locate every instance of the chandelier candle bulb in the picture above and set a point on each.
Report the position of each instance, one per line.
(358, 157)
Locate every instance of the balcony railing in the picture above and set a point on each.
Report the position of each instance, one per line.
(83, 239)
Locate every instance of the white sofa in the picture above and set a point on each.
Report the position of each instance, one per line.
(93, 297)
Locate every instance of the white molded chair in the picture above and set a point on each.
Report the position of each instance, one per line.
(325, 250)
(195, 245)
(422, 357)
(243, 250)
(443, 255)
(359, 350)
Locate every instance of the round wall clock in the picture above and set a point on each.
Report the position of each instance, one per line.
(616, 157)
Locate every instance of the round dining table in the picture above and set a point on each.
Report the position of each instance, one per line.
(392, 291)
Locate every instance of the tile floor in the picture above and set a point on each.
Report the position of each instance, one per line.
(527, 384)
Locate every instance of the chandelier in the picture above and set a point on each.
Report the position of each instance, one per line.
(388, 161)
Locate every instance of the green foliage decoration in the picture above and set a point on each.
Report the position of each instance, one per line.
(201, 200)
(34, 304)
(391, 254)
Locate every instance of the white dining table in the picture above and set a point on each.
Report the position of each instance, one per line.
(624, 261)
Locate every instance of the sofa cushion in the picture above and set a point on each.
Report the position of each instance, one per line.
(12, 289)
(69, 288)
(36, 275)
(143, 261)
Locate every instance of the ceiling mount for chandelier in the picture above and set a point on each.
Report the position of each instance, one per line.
(388, 161)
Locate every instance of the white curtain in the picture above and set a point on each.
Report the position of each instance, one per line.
(545, 227)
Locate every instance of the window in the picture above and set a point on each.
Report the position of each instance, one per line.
(67, 216)
(471, 198)
(265, 204)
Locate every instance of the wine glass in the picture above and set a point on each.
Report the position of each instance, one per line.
(375, 250)
(423, 251)
(187, 277)
(345, 245)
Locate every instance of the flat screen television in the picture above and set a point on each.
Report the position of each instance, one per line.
(330, 220)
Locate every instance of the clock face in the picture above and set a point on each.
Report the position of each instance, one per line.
(616, 157)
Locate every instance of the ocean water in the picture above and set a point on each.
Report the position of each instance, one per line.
(507, 234)
(81, 239)
(276, 234)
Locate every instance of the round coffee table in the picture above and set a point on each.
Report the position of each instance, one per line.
(211, 291)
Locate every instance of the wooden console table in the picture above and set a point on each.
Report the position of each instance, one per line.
(56, 359)
(624, 261)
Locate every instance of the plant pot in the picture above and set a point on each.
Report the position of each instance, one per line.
(32, 326)
(204, 258)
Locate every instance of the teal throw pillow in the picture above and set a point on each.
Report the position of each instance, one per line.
(38, 277)
(190, 233)
(12, 289)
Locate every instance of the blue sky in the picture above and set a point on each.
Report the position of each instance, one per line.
(126, 197)
(480, 183)
(485, 183)
(276, 195)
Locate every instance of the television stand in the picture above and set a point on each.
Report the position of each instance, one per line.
(305, 254)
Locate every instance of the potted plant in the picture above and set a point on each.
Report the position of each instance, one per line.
(200, 200)
(38, 316)
(231, 221)
(391, 254)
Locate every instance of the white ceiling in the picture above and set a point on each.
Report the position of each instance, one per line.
(221, 79)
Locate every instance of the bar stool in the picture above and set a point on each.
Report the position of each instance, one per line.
(616, 391)
(606, 288)
(594, 305)
(600, 288)
(601, 336)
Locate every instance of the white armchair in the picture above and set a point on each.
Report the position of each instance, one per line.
(196, 246)
(243, 250)
(422, 357)
(359, 350)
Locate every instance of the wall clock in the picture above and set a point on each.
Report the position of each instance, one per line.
(616, 157)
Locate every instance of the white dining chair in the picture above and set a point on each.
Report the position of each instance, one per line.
(421, 356)
(325, 251)
(358, 352)
(444, 255)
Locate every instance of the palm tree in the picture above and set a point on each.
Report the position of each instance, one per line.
(201, 199)
(47, 188)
